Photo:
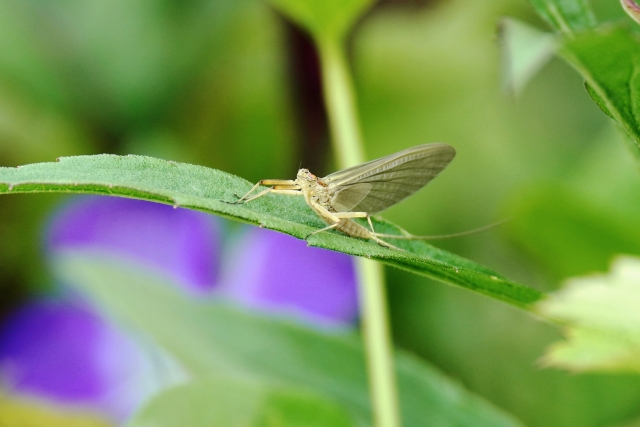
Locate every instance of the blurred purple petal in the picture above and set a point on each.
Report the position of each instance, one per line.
(279, 273)
(181, 243)
(64, 353)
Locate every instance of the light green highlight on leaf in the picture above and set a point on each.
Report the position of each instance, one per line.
(525, 50)
(225, 402)
(602, 320)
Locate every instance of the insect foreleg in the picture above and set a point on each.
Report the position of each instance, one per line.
(281, 186)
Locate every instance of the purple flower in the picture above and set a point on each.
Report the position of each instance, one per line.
(66, 353)
(266, 270)
(182, 244)
(63, 352)
(278, 273)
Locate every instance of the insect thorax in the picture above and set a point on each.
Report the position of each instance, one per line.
(314, 189)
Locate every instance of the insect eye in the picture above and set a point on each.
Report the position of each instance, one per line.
(311, 176)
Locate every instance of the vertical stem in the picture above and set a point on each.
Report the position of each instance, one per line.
(347, 144)
(375, 329)
(341, 107)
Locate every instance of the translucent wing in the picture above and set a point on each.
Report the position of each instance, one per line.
(374, 186)
(346, 199)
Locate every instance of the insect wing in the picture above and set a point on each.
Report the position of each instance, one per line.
(376, 185)
(347, 198)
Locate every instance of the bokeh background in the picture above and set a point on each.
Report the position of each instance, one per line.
(234, 86)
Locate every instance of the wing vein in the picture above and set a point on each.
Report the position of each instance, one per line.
(374, 186)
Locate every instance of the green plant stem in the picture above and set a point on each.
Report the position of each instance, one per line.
(341, 107)
(347, 144)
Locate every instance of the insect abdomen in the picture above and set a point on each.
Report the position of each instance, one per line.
(352, 228)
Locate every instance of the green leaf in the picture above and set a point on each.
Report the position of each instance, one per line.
(205, 189)
(609, 61)
(599, 101)
(223, 402)
(210, 338)
(602, 320)
(324, 19)
(566, 16)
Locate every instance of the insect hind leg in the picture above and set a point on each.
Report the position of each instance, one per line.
(321, 230)
(375, 238)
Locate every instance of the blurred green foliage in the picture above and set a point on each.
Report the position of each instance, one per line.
(212, 340)
(209, 82)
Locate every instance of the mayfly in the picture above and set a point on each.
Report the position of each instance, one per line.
(363, 190)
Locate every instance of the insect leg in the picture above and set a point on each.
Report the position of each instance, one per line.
(371, 224)
(351, 215)
(357, 215)
(324, 213)
(245, 199)
(347, 215)
(321, 230)
(277, 186)
(241, 199)
(374, 235)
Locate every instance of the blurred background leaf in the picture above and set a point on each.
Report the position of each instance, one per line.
(566, 16)
(608, 60)
(228, 403)
(227, 341)
(602, 323)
